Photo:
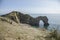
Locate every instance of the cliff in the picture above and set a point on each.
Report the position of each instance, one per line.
(18, 26)
(19, 17)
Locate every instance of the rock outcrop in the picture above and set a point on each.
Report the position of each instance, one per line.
(44, 19)
(25, 18)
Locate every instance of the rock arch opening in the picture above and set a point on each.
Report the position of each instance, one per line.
(41, 24)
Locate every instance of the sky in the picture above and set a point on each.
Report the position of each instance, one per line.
(30, 6)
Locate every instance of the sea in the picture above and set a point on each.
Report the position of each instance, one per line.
(53, 20)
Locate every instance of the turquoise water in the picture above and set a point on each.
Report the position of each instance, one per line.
(54, 20)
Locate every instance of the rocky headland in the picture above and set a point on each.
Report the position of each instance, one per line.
(18, 26)
(19, 17)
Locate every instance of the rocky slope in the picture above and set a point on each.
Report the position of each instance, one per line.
(11, 30)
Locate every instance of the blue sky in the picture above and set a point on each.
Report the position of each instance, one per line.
(30, 6)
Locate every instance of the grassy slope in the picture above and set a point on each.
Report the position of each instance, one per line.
(20, 31)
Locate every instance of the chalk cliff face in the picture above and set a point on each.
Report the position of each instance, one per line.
(27, 19)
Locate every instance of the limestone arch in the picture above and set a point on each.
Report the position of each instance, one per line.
(44, 19)
(41, 24)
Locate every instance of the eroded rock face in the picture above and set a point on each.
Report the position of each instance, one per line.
(27, 19)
